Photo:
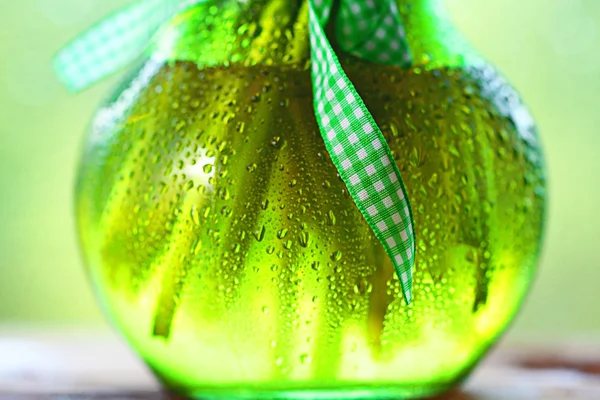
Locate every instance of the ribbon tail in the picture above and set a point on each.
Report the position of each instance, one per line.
(114, 42)
(358, 148)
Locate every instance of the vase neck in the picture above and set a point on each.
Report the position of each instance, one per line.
(276, 32)
(432, 37)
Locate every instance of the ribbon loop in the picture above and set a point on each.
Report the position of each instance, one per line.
(372, 30)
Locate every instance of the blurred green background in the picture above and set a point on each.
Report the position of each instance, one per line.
(547, 48)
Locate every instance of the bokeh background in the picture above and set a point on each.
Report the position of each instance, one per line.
(550, 50)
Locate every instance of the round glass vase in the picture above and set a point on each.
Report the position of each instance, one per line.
(224, 246)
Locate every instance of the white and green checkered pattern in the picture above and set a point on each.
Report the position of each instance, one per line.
(353, 139)
(369, 29)
(114, 42)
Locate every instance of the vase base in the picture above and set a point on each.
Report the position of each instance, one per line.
(350, 393)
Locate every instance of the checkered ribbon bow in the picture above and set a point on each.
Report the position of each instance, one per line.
(369, 29)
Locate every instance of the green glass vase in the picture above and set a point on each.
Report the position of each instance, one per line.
(225, 247)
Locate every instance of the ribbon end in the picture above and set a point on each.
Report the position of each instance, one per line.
(407, 292)
(62, 75)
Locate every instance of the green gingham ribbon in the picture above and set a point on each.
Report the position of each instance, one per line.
(369, 29)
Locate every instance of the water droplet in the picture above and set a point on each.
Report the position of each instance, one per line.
(394, 129)
(224, 193)
(282, 233)
(196, 246)
(433, 181)
(164, 187)
(260, 234)
(453, 150)
(331, 218)
(252, 167)
(414, 158)
(304, 239)
(194, 215)
(470, 255)
(265, 310)
(336, 255)
(207, 168)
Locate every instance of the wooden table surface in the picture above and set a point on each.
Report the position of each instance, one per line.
(79, 364)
